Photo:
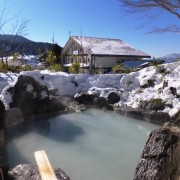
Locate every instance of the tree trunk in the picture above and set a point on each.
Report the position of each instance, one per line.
(2, 61)
(7, 66)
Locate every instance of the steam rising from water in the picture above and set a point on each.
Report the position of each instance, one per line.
(90, 145)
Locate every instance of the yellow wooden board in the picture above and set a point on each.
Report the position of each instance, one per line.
(44, 166)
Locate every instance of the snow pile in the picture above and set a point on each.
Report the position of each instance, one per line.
(7, 79)
(165, 74)
(105, 80)
(70, 84)
(63, 83)
(146, 84)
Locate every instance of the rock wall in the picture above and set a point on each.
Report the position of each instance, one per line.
(160, 158)
(147, 115)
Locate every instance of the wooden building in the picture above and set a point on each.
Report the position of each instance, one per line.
(94, 53)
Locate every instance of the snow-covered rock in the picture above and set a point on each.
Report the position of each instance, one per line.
(134, 94)
(7, 79)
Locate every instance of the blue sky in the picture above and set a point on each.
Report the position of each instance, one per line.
(96, 18)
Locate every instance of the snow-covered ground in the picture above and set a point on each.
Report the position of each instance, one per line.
(128, 86)
(31, 60)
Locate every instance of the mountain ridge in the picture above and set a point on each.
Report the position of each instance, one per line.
(172, 57)
(23, 45)
(8, 37)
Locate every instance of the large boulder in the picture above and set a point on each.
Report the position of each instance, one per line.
(29, 95)
(113, 98)
(101, 102)
(176, 119)
(2, 134)
(30, 172)
(3, 147)
(51, 105)
(2, 115)
(32, 97)
(85, 98)
(160, 158)
(153, 104)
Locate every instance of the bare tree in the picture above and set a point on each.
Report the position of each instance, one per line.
(154, 8)
(10, 29)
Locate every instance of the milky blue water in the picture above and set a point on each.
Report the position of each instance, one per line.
(89, 145)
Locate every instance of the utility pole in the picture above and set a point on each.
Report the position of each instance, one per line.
(53, 39)
(69, 33)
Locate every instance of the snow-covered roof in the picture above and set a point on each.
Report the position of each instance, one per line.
(106, 46)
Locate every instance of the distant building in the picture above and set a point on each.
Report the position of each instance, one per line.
(94, 53)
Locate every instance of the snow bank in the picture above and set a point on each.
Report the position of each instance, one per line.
(128, 86)
(70, 84)
(105, 80)
(63, 83)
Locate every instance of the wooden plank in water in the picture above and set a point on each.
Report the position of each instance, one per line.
(44, 166)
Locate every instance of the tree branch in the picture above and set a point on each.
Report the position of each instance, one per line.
(145, 7)
(171, 28)
(17, 28)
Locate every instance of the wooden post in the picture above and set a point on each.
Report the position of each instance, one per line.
(44, 166)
